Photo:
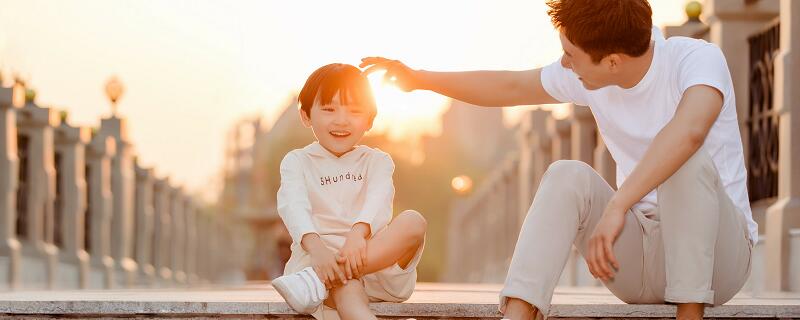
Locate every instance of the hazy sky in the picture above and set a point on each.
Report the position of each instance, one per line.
(191, 68)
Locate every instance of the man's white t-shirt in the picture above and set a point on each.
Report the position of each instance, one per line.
(629, 119)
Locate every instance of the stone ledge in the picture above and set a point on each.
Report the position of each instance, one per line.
(429, 301)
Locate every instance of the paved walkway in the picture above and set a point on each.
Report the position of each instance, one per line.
(431, 300)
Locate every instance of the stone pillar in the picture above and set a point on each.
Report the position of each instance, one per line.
(98, 214)
(784, 214)
(534, 157)
(123, 181)
(455, 241)
(559, 130)
(731, 22)
(143, 203)
(583, 132)
(178, 236)
(498, 211)
(162, 237)
(36, 194)
(9, 172)
(604, 163)
(190, 213)
(511, 222)
(202, 248)
(70, 146)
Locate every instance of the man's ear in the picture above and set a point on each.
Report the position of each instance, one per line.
(613, 62)
(304, 118)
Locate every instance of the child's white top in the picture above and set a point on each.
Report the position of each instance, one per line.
(324, 194)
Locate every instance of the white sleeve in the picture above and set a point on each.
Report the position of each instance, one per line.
(563, 85)
(705, 65)
(293, 204)
(380, 193)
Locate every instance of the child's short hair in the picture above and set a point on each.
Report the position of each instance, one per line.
(344, 79)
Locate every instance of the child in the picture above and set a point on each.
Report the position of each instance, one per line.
(336, 200)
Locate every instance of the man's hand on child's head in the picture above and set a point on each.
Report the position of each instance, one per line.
(353, 255)
(397, 73)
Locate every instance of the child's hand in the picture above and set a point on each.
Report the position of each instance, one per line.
(323, 260)
(354, 252)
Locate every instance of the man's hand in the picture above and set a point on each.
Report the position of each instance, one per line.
(397, 73)
(601, 254)
(353, 254)
(323, 260)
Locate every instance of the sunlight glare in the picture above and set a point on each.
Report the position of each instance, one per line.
(404, 115)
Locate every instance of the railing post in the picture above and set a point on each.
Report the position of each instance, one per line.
(559, 130)
(604, 163)
(498, 213)
(178, 236)
(190, 213)
(10, 248)
(162, 231)
(143, 228)
(122, 186)
(534, 157)
(98, 215)
(37, 194)
(512, 222)
(71, 204)
(583, 133)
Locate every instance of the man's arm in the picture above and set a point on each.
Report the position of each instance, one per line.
(671, 148)
(673, 145)
(483, 88)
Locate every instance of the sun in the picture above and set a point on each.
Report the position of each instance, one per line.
(404, 115)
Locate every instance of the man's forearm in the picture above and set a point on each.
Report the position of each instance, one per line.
(487, 88)
(670, 149)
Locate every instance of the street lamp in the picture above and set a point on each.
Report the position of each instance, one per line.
(114, 90)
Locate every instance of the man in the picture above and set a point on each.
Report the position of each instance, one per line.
(679, 228)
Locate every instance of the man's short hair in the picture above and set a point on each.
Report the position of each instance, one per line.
(603, 27)
(346, 80)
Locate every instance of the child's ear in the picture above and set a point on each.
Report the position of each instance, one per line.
(304, 118)
(371, 120)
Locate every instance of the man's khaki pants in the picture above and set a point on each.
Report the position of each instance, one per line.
(693, 248)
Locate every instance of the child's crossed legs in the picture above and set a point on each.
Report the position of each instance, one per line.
(398, 243)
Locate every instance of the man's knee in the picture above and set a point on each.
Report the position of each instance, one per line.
(569, 170)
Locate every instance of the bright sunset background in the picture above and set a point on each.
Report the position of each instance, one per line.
(191, 68)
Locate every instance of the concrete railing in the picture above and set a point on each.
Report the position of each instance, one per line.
(79, 211)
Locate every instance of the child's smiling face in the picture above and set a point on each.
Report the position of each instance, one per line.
(338, 127)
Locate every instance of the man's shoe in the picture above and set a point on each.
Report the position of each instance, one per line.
(302, 290)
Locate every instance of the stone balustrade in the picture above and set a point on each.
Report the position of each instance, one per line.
(79, 212)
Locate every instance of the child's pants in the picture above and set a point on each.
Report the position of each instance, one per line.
(693, 248)
(392, 284)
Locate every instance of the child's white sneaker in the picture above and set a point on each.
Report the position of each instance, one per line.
(302, 290)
